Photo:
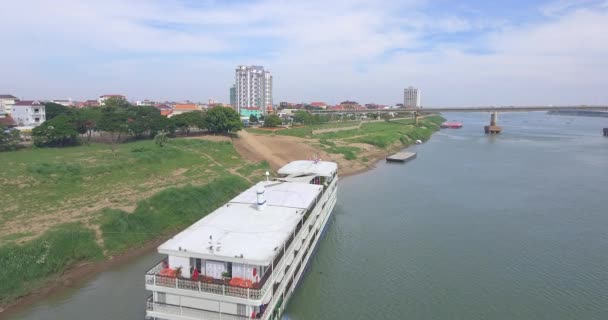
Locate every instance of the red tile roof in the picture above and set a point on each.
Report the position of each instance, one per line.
(186, 107)
(7, 121)
(27, 103)
(165, 112)
(318, 104)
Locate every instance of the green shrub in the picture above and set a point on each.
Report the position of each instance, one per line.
(23, 266)
(169, 210)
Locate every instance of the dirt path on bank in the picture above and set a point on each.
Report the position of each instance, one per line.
(279, 150)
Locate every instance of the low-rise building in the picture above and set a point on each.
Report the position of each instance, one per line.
(29, 113)
(144, 102)
(91, 103)
(7, 121)
(6, 102)
(251, 111)
(320, 105)
(185, 107)
(64, 102)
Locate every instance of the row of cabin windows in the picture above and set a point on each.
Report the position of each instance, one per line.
(198, 264)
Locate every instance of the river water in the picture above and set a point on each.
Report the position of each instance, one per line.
(513, 226)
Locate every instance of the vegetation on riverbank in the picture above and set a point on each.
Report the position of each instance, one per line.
(381, 134)
(118, 121)
(88, 192)
(169, 210)
(27, 265)
(70, 205)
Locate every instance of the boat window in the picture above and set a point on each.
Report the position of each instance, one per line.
(241, 309)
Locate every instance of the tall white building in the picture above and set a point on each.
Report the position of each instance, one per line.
(411, 97)
(253, 88)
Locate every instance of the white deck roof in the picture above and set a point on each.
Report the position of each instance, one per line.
(322, 168)
(241, 229)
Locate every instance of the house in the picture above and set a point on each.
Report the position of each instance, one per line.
(320, 105)
(269, 109)
(64, 102)
(29, 113)
(166, 112)
(6, 102)
(247, 112)
(102, 99)
(144, 102)
(185, 107)
(91, 103)
(7, 121)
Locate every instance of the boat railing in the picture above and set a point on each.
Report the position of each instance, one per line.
(189, 312)
(215, 286)
(222, 287)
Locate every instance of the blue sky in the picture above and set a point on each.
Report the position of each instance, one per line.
(457, 53)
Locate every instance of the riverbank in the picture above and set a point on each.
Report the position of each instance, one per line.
(118, 231)
(355, 148)
(579, 113)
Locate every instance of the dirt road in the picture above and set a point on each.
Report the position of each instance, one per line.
(279, 150)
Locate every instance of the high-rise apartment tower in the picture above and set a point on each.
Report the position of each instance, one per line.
(253, 88)
(411, 98)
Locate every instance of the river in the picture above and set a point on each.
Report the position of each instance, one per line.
(513, 226)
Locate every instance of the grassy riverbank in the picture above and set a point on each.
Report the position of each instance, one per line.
(61, 207)
(348, 138)
(65, 206)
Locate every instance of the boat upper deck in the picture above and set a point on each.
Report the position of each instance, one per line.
(309, 167)
(241, 232)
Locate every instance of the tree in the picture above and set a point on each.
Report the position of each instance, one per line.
(253, 119)
(161, 138)
(184, 122)
(53, 110)
(144, 120)
(113, 120)
(9, 139)
(57, 132)
(303, 117)
(272, 121)
(223, 120)
(86, 119)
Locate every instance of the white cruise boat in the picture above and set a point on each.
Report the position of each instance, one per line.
(245, 259)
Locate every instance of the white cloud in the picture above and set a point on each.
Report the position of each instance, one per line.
(317, 51)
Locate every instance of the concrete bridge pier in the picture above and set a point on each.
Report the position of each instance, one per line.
(493, 128)
(605, 132)
(416, 118)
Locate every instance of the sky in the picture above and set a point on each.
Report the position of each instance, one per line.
(458, 53)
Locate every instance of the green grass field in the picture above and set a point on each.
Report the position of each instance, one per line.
(62, 206)
(169, 210)
(381, 134)
(41, 181)
(304, 131)
(385, 133)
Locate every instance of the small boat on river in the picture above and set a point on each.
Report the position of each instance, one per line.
(451, 125)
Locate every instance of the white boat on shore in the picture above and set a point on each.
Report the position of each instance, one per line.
(245, 259)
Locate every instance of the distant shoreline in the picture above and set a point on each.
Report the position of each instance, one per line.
(579, 113)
